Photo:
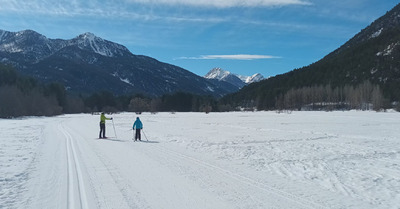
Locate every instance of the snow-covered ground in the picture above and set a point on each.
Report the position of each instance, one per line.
(196, 160)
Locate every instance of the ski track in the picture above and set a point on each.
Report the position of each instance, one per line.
(76, 184)
(110, 188)
(123, 188)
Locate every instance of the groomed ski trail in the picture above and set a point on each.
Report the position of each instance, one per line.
(76, 185)
(108, 187)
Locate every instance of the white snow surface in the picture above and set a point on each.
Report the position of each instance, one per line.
(196, 160)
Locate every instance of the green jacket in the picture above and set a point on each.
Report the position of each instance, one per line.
(103, 119)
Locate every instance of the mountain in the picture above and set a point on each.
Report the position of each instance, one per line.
(226, 76)
(372, 55)
(251, 79)
(88, 64)
(237, 80)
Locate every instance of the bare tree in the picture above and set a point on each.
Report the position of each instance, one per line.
(363, 96)
(155, 105)
(139, 105)
(377, 98)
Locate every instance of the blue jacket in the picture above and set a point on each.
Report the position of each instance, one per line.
(138, 124)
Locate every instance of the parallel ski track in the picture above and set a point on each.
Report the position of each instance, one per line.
(129, 199)
(75, 175)
(125, 189)
(244, 180)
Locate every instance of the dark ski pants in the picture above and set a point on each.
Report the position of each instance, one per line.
(138, 136)
(102, 130)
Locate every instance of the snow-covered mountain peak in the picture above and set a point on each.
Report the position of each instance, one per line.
(26, 42)
(20, 37)
(29, 33)
(251, 79)
(217, 73)
(88, 35)
(236, 80)
(255, 78)
(37, 47)
(89, 41)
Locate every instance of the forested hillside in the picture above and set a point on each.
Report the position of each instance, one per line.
(372, 57)
(25, 96)
(21, 96)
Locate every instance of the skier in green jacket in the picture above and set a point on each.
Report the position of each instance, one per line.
(103, 119)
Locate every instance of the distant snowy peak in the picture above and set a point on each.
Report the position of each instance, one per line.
(217, 73)
(89, 41)
(225, 76)
(220, 74)
(251, 79)
(236, 80)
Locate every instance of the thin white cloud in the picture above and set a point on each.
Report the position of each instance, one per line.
(226, 3)
(231, 57)
(68, 8)
(112, 8)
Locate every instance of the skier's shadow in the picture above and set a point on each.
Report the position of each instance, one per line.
(145, 141)
(112, 139)
(151, 142)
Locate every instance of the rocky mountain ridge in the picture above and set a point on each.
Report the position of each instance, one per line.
(88, 64)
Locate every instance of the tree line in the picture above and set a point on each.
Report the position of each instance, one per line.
(24, 96)
(177, 102)
(365, 96)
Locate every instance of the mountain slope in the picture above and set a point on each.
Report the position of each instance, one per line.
(87, 64)
(372, 55)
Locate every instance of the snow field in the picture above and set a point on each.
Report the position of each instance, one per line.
(18, 150)
(197, 160)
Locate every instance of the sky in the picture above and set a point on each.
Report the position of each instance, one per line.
(245, 37)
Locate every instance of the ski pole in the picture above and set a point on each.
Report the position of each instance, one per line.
(114, 129)
(145, 135)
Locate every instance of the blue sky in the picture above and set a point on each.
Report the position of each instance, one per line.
(242, 36)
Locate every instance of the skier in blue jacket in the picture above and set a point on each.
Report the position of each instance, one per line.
(139, 126)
